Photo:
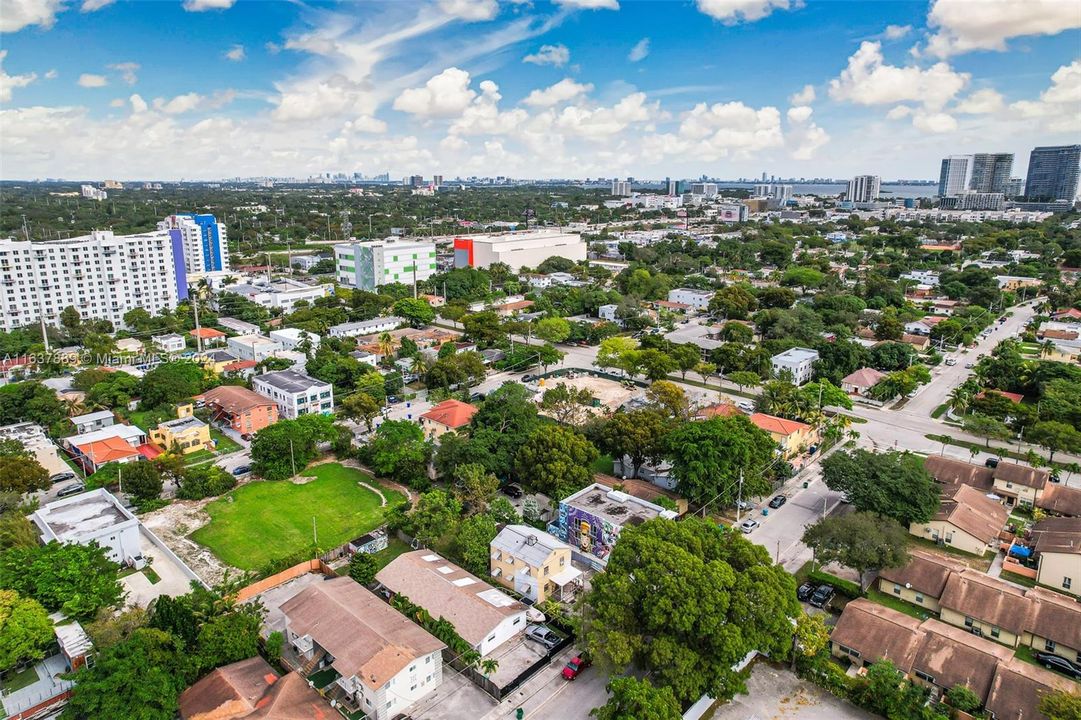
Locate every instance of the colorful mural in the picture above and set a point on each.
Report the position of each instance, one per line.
(585, 531)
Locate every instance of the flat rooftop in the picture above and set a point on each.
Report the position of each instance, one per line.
(797, 354)
(72, 518)
(183, 424)
(616, 507)
(291, 381)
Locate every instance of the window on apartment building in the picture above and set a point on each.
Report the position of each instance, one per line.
(546, 570)
(428, 659)
(919, 597)
(1066, 583)
(995, 632)
(969, 622)
(1049, 645)
(896, 589)
(412, 687)
(924, 676)
(516, 621)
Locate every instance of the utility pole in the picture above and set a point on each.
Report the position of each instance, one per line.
(44, 333)
(292, 459)
(739, 495)
(198, 335)
(315, 533)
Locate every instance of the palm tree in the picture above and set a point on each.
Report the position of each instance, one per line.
(960, 398)
(418, 367)
(1046, 348)
(1071, 470)
(386, 345)
(489, 666)
(73, 406)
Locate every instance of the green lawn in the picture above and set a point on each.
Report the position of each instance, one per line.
(395, 547)
(224, 443)
(19, 680)
(898, 604)
(269, 520)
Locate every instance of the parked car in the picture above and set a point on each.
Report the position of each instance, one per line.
(805, 591)
(241, 470)
(393, 400)
(577, 664)
(61, 477)
(992, 462)
(68, 490)
(845, 498)
(778, 501)
(951, 361)
(748, 525)
(969, 365)
(1052, 661)
(513, 490)
(822, 596)
(745, 406)
(542, 635)
(744, 505)
(528, 378)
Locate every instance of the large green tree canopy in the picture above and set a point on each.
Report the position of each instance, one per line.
(893, 484)
(686, 601)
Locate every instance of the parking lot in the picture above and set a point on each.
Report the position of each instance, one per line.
(774, 693)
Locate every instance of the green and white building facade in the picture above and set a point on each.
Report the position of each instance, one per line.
(368, 265)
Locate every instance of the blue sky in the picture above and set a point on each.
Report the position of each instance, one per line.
(573, 88)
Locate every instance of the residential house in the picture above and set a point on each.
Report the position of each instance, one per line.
(115, 443)
(366, 327)
(867, 633)
(482, 615)
(1054, 624)
(966, 519)
(129, 345)
(920, 343)
(93, 421)
(238, 326)
(217, 360)
(253, 347)
(608, 313)
(1020, 484)
(698, 299)
(1067, 315)
(295, 394)
(924, 325)
(92, 516)
(798, 361)
(591, 519)
(243, 410)
(1058, 553)
(290, 338)
(512, 308)
(985, 606)
(1019, 686)
(186, 433)
(793, 437)
(252, 690)
(385, 662)
(170, 343)
(861, 381)
(920, 581)
(533, 563)
(447, 416)
(949, 472)
(1060, 500)
(209, 337)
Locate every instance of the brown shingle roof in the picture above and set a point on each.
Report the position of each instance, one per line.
(1058, 535)
(473, 606)
(864, 378)
(988, 599)
(948, 472)
(291, 699)
(231, 691)
(968, 509)
(925, 572)
(234, 399)
(1061, 500)
(1055, 617)
(878, 633)
(1017, 688)
(367, 637)
(954, 657)
(1021, 475)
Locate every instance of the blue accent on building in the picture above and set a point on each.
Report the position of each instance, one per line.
(180, 265)
(213, 253)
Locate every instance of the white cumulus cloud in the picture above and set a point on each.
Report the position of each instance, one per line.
(88, 80)
(806, 96)
(934, 122)
(557, 55)
(640, 51)
(204, 5)
(17, 14)
(563, 91)
(804, 137)
(590, 4)
(733, 11)
(445, 95)
(236, 53)
(471, 10)
(127, 71)
(868, 80)
(981, 102)
(93, 5)
(10, 82)
(1059, 106)
(896, 32)
(963, 26)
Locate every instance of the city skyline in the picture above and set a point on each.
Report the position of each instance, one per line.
(573, 88)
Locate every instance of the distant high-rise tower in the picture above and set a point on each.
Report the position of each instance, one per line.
(437, 180)
(204, 239)
(863, 188)
(763, 176)
(954, 175)
(670, 186)
(1015, 188)
(621, 188)
(990, 172)
(1053, 173)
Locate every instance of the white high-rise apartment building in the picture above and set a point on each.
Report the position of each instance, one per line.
(92, 193)
(101, 275)
(621, 188)
(955, 175)
(864, 188)
(205, 241)
(369, 265)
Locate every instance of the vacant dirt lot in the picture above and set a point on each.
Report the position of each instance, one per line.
(173, 523)
(609, 392)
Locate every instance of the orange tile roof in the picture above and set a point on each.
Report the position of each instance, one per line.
(1011, 396)
(206, 333)
(452, 413)
(107, 450)
(239, 365)
(778, 425)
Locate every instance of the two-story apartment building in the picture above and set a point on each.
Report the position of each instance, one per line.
(533, 563)
(245, 411)
(966, 519)
(483, 615)
(448, 416)
(920, 581)
(252, 347)
(792, 437)
(1058, 553)
(385, 661)
(798, 361)
(294, 393)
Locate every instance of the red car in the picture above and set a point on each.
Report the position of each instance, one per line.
(576, 666)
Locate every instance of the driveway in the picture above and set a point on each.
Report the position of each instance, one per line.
(776, 694)
(174, 581)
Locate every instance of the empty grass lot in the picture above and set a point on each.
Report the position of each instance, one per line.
(269, 520)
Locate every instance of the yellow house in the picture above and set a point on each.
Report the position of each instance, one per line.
(922, 580)
(1058, 551)
(186, 434)
(1019, 484)
(966, 519)
(985, 606)
(1054, 624)
(793, 437)
(534, 563)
